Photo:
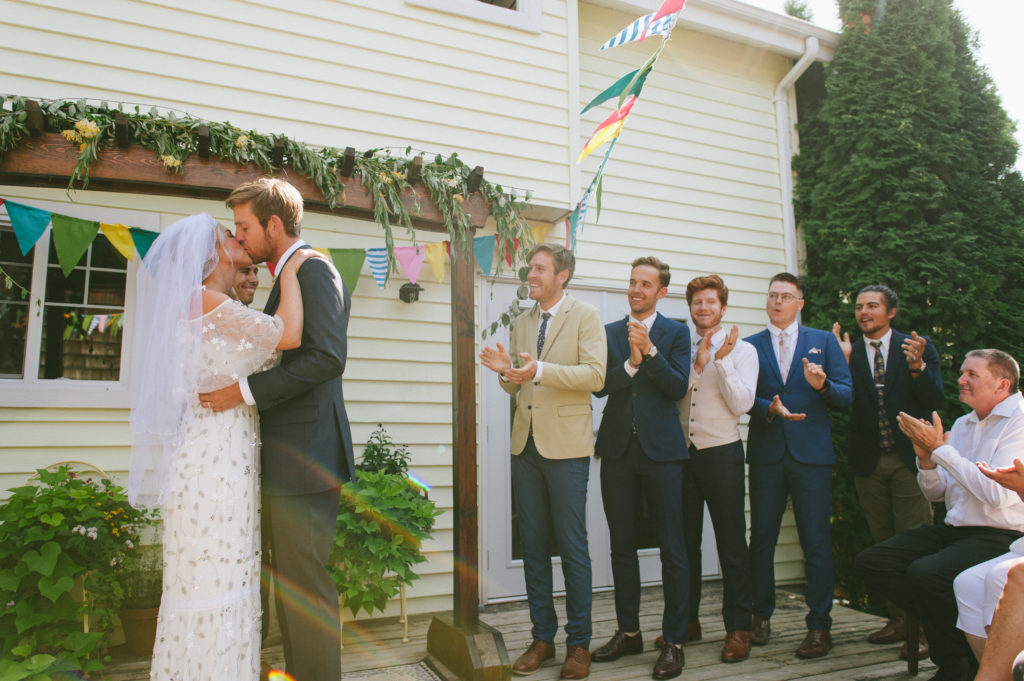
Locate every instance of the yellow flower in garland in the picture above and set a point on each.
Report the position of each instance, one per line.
(242, 141)
(87, 129)
(170, 161)
(71, 136)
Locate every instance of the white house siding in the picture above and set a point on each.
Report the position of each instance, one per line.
(694, 175)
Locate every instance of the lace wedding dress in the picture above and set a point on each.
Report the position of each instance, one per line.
(209, 624)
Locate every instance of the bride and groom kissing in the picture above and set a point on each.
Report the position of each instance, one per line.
(234, 410)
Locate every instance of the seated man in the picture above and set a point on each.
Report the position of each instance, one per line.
(915, 569)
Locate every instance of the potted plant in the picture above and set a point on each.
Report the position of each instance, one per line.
(383, 518)
(143, 587)
(66, 530)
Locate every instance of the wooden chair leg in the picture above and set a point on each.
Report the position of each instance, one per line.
(913, 642)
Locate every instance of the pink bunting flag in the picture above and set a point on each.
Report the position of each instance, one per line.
(667, 7)
(410, 259)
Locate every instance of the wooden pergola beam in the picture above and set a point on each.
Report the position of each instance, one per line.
(47, 160)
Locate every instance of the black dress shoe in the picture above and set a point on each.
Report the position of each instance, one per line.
(760, 630)
(670, 662)
(619, 645)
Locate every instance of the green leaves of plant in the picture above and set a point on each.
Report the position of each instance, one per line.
(55, 587)
(44, 560)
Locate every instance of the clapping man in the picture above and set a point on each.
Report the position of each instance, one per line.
(915, 569)
(640, 444)
(803, 374)
(560, 352)
(892, 372)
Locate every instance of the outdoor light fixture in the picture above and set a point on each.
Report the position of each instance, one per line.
(410, 292)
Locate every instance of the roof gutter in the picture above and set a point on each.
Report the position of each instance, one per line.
(781, 99)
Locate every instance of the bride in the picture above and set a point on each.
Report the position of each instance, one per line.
(199, 466)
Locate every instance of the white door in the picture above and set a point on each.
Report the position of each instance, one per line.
(502, 565)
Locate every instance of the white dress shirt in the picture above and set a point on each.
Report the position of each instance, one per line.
(973, 500)
(649, 323)
(553, 310)
(870, 350)
(719, 394)
(791, 333)
(243, 383)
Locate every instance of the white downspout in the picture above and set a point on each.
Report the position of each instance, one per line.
(782, 128)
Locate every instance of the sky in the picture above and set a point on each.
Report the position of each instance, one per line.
(997, 23)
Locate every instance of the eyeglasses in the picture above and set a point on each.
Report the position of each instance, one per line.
(784, 297)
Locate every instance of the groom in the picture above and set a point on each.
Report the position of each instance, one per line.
(307, 446)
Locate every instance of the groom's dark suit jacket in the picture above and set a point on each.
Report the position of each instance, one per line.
(307, 445)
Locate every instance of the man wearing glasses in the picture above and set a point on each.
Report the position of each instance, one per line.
(802, 374)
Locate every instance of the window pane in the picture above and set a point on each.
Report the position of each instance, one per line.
(107, 288)
(105, 255)
(65, 290)
(13, 321)
(22, 276)
(80, 343)
(10, 251)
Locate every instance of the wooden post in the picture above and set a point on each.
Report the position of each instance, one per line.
(460, 641)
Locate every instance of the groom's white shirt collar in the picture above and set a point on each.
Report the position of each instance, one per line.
(287, 254)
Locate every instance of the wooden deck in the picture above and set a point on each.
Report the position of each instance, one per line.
(375, 644)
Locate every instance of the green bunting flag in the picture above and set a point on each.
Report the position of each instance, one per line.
(71, 238)
(483, 251)
(143, 239)
(349, 262)
(29, 224)
(618, 87)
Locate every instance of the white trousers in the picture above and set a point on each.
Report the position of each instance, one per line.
(978, 590)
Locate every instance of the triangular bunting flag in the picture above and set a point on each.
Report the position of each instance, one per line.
(510, 249)
(483, 251)
(143, 239)
(609, 128)
(71, 238)
(410, 259)
(618, 86)
(29, 224)
(349, 262)
(378, 259)
(323, 251)
(667, 8)
(435, 256)
(641, 28)
(540, 233)
(120, 237)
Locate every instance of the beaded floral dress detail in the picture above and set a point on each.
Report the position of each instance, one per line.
(209, 624)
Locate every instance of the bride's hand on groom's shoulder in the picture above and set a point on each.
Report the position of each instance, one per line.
(301, 256)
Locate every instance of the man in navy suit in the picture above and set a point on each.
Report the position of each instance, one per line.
(642, 448)
(892, 372)
(803, 373)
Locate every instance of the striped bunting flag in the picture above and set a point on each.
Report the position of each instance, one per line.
(377, 258)
(634, 31)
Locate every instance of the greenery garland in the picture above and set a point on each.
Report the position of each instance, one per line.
(174, 137)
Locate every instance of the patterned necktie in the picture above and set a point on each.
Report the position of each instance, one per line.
(542, 331)
(784, 355)
(886, 437)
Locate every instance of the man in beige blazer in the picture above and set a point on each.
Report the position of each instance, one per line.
(558, 357)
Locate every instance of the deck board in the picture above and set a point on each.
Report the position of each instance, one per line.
(373, 644)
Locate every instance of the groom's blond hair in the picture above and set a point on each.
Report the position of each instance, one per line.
(266, 197)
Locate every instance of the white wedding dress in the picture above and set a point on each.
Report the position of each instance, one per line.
(209, 624)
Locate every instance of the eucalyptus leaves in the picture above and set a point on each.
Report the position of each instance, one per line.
(172, 138)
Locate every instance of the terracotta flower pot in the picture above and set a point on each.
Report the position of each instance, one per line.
(139, 630)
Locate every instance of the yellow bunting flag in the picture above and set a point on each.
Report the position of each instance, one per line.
(540, 233)
(324, 251)
(609, 128)
(435, 256)
(120, 237)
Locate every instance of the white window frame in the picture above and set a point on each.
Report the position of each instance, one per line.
(525, 17)
(32, 391)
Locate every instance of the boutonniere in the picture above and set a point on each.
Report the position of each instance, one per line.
(814, 351)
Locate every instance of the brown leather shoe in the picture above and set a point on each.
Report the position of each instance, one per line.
(577, 664)
(670, 662)
(894, 631)
(619, 645)
(536, 655)
(922, 649)
(692, 635)
(737, 646)
(816, 643)
(760, 630)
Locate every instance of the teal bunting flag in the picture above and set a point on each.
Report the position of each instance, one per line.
(143, 239)
(616, 89)
(483, 251)
(29, 224)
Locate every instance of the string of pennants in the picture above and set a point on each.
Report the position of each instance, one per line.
(627, 89)
(72, 237)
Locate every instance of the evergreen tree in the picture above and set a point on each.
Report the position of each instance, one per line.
(905, 177)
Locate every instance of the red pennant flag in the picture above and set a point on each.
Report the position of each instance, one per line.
(667, 7)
